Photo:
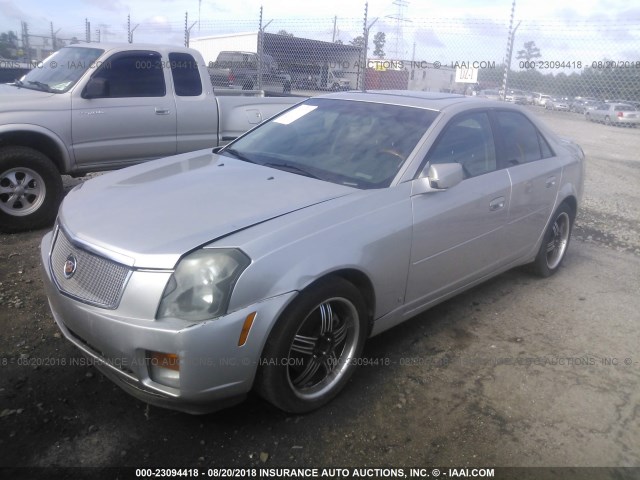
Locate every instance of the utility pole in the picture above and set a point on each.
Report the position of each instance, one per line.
(335, 22)
(25, 41)
(87, 30)
(129, 30)
(366, 30)
(187, 30)
(512, 34)
(54, 42)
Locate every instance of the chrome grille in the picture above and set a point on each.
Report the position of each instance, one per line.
(97, 280)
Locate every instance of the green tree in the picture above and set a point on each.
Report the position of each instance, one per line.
(379, 40)
(8, 45)
(530, 51)
(358, 42)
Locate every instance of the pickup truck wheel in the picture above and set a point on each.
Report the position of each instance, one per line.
(313, 349)
(30, 189)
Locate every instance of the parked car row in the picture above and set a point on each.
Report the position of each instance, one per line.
(614, 114)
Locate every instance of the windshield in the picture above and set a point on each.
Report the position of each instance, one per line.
(60, 71)
(352, 143)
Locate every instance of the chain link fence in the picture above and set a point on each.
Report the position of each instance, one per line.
(535, 62)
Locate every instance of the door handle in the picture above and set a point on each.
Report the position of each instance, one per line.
(496, 204)
(162, 111)
(551, 182)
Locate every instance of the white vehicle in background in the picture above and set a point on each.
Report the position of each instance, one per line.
(490, 94)
(516, 96)
(540, 99)
(334, 80)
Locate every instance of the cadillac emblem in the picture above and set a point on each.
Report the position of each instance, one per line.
(70, 266)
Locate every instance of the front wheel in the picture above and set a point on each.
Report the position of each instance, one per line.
(30, 189)
(313, 349)
(555, 242)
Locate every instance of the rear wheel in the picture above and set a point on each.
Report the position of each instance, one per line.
(555, 242)
(30, 189)
(311, 352)
(607, 120)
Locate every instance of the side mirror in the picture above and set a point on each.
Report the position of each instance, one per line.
(438, 177)
(96, 88)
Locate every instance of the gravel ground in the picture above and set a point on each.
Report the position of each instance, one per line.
(516, 372)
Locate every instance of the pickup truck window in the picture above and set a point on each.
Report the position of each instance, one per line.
(133, 74)
(59, 72)
(186, 77)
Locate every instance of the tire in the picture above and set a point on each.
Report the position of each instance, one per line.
(335, 87)
(319, 335)
(30, 190)
(555, 242)
(286, 87)
(607, 120)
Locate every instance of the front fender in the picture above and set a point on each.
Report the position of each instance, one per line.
(41, 138)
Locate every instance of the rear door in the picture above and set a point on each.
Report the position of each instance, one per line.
(135, 118)
(535, 174)
(197, 118)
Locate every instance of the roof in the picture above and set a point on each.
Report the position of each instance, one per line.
(430, 100)
(106, 46)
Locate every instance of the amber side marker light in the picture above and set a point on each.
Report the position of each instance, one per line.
(246, 327)
(165, 360)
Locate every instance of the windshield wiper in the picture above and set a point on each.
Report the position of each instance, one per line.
(41, 86)
(237, 154)
(292, 168)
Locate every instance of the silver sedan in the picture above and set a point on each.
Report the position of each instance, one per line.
(265, 265)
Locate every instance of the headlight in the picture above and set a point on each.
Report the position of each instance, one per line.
(201, 286)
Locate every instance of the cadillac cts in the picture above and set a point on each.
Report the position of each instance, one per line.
(265, 265)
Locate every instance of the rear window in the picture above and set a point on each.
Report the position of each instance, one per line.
(186, 77)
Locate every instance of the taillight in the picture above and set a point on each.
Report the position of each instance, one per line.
(619, 114)
(231, 78)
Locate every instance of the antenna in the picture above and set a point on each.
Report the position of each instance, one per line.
(399, 18)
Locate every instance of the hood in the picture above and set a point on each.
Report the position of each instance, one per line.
(18, 98)
(149, 215)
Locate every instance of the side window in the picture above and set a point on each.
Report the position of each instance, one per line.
(133, 74)
(186, 77)
(522, 141)
(467, 140)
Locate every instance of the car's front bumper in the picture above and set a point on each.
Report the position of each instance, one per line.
(214, 371)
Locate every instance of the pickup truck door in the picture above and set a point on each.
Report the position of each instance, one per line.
(196, 106)
(131, 118)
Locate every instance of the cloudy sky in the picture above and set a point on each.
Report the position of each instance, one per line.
(426, 30)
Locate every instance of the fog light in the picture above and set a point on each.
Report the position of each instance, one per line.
(164, 368)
